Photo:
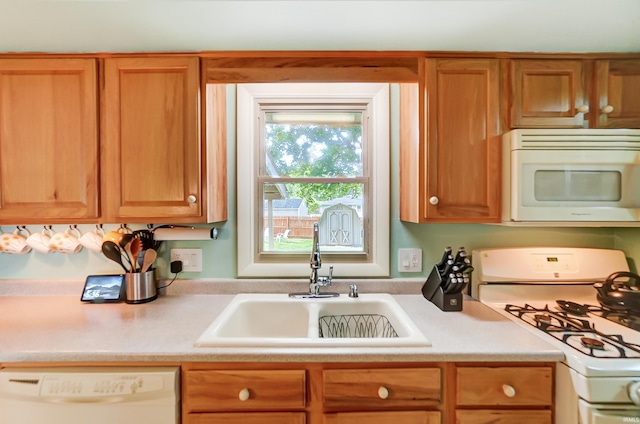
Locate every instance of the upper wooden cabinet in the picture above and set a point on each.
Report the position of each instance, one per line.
(617, 94)
(48, 141)
(151, 153)
(450, 143)
(548, 93)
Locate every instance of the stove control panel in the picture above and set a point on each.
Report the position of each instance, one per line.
(546, 264)
(560, 262)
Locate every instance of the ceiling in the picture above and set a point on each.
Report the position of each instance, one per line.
(456, 25)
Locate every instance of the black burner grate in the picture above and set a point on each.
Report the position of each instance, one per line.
(576, 332)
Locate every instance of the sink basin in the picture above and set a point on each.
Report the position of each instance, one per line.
(276, 320)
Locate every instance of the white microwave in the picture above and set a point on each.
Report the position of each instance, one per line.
(571, 176)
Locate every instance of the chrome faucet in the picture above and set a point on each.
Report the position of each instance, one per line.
(315, 262)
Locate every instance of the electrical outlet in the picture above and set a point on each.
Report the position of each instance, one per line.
(191, 259)
(409, 260)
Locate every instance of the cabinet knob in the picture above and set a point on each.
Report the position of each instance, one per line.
(192, 198)
(434, 200)
(583, 109)
(508, 390)
(244, 394)
(383, 392)
(634, 392)
(607, 109)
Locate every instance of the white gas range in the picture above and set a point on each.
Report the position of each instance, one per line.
(550, 292)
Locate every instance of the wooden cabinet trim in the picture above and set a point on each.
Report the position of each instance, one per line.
(298, 68)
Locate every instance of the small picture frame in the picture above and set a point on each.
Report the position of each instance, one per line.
(103, 289)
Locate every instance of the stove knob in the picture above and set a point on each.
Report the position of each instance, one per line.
(634, 392)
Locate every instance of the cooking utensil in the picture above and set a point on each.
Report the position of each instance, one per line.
(125, 239)
(113, 252)
(146, 237)
(135, 246)
(149, 257)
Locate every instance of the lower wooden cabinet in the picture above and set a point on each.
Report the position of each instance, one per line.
(399, 417)
(517, 390)
(368, 393)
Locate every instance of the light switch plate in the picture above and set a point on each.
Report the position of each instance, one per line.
(191, 259)
(409, 260)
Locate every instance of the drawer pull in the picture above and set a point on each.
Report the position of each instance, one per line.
(508, 390)
(244, 394)
(607, 109)
(383, 392)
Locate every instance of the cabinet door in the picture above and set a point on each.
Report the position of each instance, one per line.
(404, 417)
(48, 141)
(548, 93)
(151, 153)
(617, 94)
(503, 417)
(463, 140)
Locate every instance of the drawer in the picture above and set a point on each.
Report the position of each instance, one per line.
(375, 388)
(247, 418)
(399, 417)
(503, 417)
(229, 390)
(504, 386)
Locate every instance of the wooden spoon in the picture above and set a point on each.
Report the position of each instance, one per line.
(134, 247)
(149, 257)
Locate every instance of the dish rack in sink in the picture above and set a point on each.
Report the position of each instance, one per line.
(356, 326)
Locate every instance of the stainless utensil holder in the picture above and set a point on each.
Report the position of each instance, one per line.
(432, 291)
(141, 287)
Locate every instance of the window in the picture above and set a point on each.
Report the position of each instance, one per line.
(313, 153)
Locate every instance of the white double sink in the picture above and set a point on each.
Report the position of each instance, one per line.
(276, 320)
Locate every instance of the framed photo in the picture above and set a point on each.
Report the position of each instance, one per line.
(103, 288)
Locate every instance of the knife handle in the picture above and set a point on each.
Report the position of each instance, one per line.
(460, 255)
(447, 269)
(445, 257)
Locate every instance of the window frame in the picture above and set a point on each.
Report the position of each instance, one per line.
(250, 97)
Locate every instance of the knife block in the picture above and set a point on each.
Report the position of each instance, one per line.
(432, 291)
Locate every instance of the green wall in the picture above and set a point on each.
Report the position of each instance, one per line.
(219, 256)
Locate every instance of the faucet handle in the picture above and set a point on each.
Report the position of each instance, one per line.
(353, 290)
(326, 281)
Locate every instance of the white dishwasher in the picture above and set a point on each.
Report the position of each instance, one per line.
(79, 395)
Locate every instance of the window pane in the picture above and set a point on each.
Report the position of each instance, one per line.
(290, 210)
(322, 143)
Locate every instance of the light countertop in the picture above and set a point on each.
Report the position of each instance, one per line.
(57, 327)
